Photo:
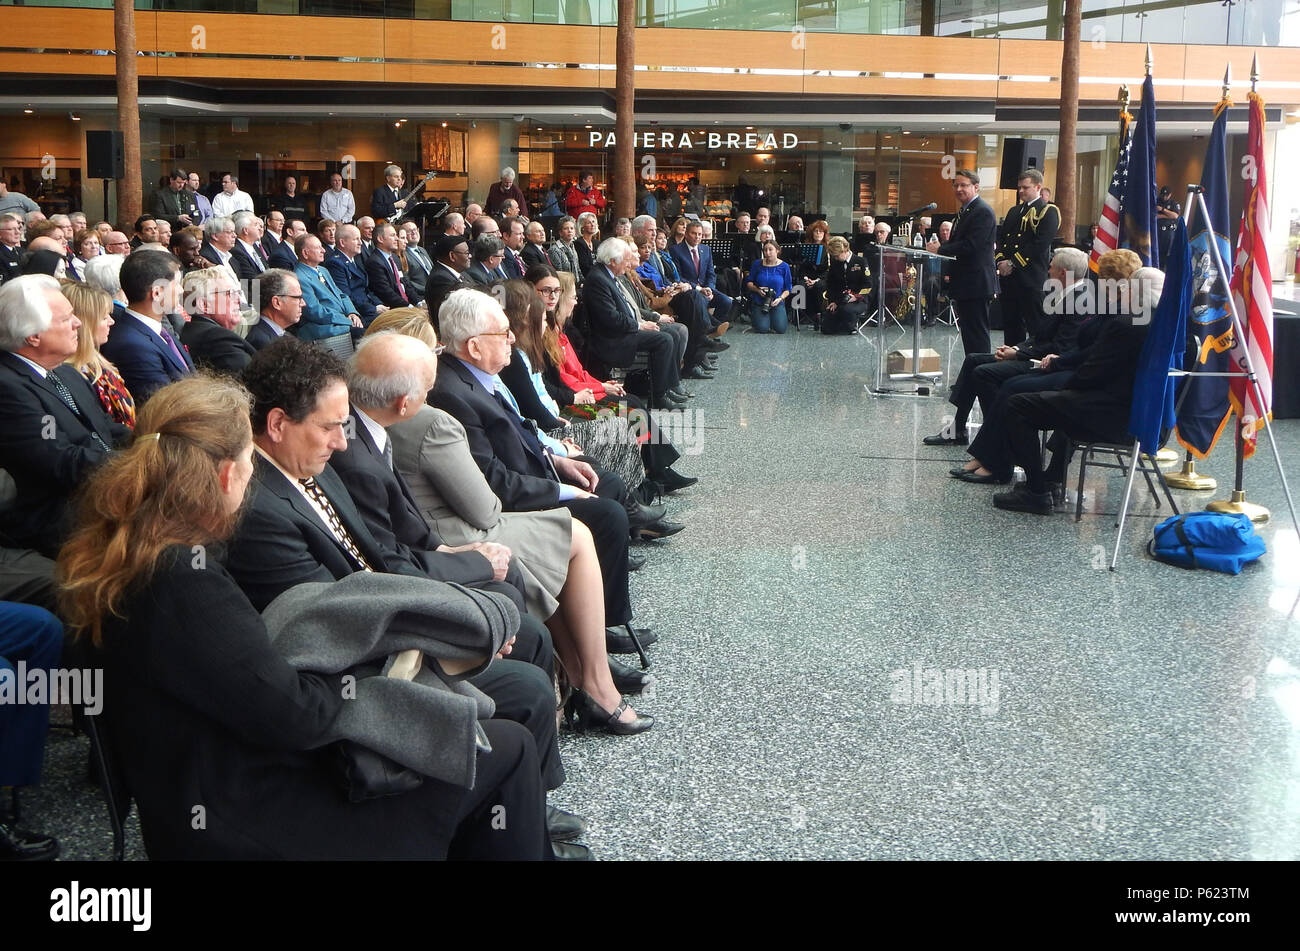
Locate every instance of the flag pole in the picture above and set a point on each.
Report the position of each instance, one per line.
(1236, 503)
(1188, 478)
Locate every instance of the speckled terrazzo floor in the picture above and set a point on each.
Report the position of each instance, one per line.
(1148, 714)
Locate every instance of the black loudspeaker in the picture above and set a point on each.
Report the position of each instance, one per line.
(1018, 155)
(104, 155)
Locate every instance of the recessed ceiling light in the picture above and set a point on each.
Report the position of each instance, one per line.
(28, 111)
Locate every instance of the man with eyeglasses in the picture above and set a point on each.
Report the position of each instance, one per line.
(212, 301)
(11, 239)
(489, 252)
(274, 233)
(117, 243)
(451, 260)
(231, 198)
(280, 305)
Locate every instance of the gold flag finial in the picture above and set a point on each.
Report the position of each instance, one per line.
(1227, 80)
(1124, 97)
(1254, 71)
(1149, 61)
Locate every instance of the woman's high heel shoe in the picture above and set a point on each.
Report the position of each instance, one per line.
(585, 714)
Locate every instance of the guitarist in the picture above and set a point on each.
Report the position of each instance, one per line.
(388, 199)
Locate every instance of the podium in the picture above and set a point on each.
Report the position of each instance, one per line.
(912, 381)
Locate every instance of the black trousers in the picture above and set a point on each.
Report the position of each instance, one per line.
(692, 312)
(990, 445)
(607, 520)
(657, 454)
(663, 361)
(1022, 310)
(503, 818)
(1028, 413)
(522, 687)
(973, 322)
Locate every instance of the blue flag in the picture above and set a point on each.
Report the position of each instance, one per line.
(1152, 412)
(1204, 410)
(1139, 230)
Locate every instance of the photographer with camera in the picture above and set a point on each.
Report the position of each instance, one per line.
(769, 285)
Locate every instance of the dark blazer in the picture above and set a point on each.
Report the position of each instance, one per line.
(170, 205)
(613, 325)
(209, 252)
(48, 451)
(972, 276)
(534, 254)
(246, 268)
(511, 265)
(439, 284)
(391, 513)
(509, 455)
(260, 335)
(477, 275)
(143, 358)
(214, 347)
(270, 243)
(9, 262)
(383, 203)
(350, 278)
(586, 256)
(681, 254)
(1025, 239)
(282, 256)
(382, 283)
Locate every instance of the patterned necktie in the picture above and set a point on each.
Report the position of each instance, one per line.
(397, 276)
(337, 528)
(176, 351)
(66, 395)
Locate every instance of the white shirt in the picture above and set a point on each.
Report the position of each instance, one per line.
(338, 205)
(223, 206)
(377, 432)
(154, 325)
(253, 253)
(302, 490)
(40, 370)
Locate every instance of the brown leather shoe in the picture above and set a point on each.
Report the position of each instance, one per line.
(721, 329)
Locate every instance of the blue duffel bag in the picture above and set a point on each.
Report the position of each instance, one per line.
(1213, 540)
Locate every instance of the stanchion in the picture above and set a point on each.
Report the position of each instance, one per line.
(1236, 504)
(1189, 478)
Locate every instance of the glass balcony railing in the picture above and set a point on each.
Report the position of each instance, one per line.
(1211, 22)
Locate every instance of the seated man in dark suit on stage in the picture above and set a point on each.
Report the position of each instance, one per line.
(248, 257)
(142, 347)
(348, 268)
(284, 255)
(617, 335)
(213, 302)
(534, 251)
(281, 307)
(302, 525)
(55, 429)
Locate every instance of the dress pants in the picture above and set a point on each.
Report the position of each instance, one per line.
(34, 635)
(663, 359)
(27, 577)
(973, 322)
(1028, 413)
(680, 337)
(990, 445)
(692, 312)
(503, 818)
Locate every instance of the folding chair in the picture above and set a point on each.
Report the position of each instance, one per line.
(1146, 464)
(341, 345)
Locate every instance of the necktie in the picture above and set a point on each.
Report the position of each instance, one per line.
(257, 259)
(337, 528)
(176, 351)
(261, 252)
(695, 257)
(388, 452)
(397, 276)
(66, 395)
(627, 298)
(529, 437)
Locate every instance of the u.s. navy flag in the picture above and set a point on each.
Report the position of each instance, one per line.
(1252, 289)
(1205, 410)
(1139, 207)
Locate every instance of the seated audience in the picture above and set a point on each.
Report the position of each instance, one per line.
(212, 301)
(383, 270)
(451, 259)
(284, 255)
(281, 307)
(489, 251)
(348, 268)
(85, 247)
(326, 310)
(93, 307)
(201, 706)
(142, 344)
(534, 251)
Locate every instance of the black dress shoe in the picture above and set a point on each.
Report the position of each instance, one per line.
(672, 481)
(978, 479)
(564, 826)
(714, 345)
(617, 642)
(697, 373)
(586, 714)
(570, 852)
(628, 679)
(665, 401)
(660, 529)
(635, 561)
(1020, 499)
(19, 845)
(944, 440)
(638, 514)
(958, 472)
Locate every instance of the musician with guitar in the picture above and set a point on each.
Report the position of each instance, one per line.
(388, 202)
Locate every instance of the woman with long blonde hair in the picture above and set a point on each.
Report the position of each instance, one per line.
(94, 308)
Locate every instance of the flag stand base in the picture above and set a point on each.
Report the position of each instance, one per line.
(1238, 505)
(1168, 457)
(1189, 478)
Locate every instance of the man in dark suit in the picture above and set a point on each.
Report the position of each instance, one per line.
(388, 199)
(972, 280)
(210, 337)
(382, 270)
(175, 203)
(512, 234)
(274, 233)
(451, 257)
(535, 247)
(284, 255)
(520, 471)
(281, 307)
(55, 430)
(485, 270)
(11, 239)
(418, 263)
(142, 347)
(248, 257)
(694, 262)
(349, 272)
(1024, 250)
(302, 525)
(617, 335)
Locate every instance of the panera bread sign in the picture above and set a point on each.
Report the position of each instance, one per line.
(752, 141)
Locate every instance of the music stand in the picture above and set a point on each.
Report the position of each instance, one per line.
(916, 383)
(723, 250)
(423, 212)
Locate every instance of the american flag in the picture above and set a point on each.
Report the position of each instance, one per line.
(1252, 289)
(1112, 213)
